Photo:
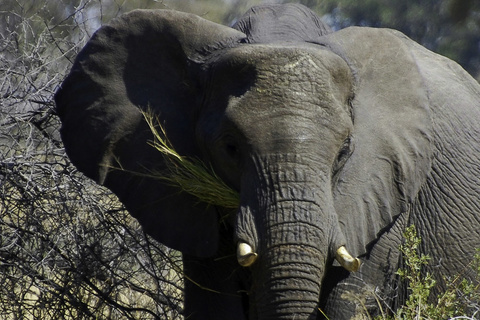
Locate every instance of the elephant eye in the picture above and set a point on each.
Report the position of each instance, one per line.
(225, 155)
(343, 154)
(232, 151)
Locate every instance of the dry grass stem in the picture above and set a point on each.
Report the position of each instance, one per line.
(189, 174)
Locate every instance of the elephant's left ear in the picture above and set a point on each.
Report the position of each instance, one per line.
(392, 136)
(146, 59)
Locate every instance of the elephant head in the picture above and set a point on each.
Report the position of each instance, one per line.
(325, 138)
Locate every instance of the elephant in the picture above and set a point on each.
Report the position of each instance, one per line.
(336, 142)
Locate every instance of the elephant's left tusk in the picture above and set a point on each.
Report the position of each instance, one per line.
(346, 260)
(245, 255)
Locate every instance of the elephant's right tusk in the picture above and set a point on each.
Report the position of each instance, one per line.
(346, 260)
(245, 255)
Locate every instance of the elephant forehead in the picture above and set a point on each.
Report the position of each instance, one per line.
(283, 76)
(289, 61)
(292, 91)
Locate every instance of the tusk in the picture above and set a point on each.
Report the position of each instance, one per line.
(245, 255)
(346, 260)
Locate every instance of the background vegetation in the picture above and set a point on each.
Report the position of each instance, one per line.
(68, 250)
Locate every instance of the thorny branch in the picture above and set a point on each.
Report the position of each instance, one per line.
(68, 249)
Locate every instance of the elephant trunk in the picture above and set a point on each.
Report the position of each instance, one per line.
(291, 292)
(290, 267)
(291, 233)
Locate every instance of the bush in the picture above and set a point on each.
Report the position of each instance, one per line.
(461, 298)
(68, 249)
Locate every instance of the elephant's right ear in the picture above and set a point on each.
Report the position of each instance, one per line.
(146, 59)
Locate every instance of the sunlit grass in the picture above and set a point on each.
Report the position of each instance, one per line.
(191, 175)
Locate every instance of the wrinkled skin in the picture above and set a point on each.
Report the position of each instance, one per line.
(331, 138)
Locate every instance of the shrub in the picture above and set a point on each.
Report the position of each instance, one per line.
(462, 296)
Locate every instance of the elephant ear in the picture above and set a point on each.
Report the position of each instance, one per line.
(146, 59)
(392, 134)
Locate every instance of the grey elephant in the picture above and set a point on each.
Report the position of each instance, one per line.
(335, 142)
